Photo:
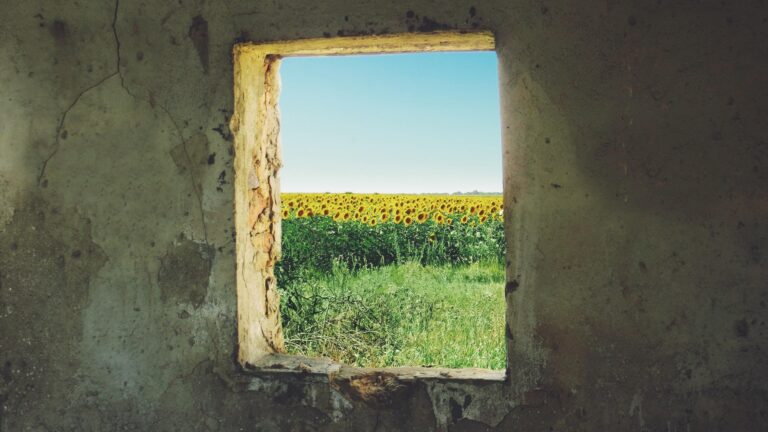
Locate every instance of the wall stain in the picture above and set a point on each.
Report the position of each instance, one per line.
(198, 148)
(428, 25)
(198, 33)
(60, 31)
(375, 389)
(184, 273)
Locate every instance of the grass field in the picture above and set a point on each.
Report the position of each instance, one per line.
(427, 291)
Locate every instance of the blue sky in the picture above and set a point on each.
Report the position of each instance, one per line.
(397, 123)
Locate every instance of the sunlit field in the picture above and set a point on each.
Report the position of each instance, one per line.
(391, 280)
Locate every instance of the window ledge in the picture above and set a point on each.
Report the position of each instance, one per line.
(290, 365)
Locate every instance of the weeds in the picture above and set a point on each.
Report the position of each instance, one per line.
(391, 295)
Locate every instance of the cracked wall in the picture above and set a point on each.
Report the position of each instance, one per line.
(635, 163)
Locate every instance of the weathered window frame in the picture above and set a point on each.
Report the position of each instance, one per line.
(255, 125)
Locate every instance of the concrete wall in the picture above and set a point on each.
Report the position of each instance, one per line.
(636, 166)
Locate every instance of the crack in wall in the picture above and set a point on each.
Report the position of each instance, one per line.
(61, 124)
(81, 94)
(118, 72)
(198, 194)
(117, 43)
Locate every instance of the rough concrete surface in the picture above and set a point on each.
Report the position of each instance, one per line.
(636, 175)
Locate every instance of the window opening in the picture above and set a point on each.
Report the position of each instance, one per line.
(392, 235)
(258, 209)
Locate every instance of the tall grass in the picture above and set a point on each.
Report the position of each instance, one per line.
(316, 243)
(393, 295)
(397, 315)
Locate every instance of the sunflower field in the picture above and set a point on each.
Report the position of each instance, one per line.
(400, 209)
(388, 280)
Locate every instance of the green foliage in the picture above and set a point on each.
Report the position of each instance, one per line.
(392, 294)
(398, 315)
(316, 243)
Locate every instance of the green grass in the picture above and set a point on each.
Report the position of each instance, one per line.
(393, 295)
(318, 243)
(401, 314)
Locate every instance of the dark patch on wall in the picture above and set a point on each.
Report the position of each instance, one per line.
(44, 291)
(7, 372)
(511, 287)
(184, 273)
(198, 34)
(222, 180)
(223, 128)
(742, 328)
(430, 25)
(290, 393)
(474, 20)
(60, 31)
(243, 36)
(375, 389)
(457, 412)
(411, 20)
(363, 32)
(467, 401)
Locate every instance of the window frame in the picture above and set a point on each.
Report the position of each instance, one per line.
(255, 125)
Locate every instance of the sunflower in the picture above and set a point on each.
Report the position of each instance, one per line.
(286, 214)
(464, 219)
(408, 220)
(398, 218)
(421, 217)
